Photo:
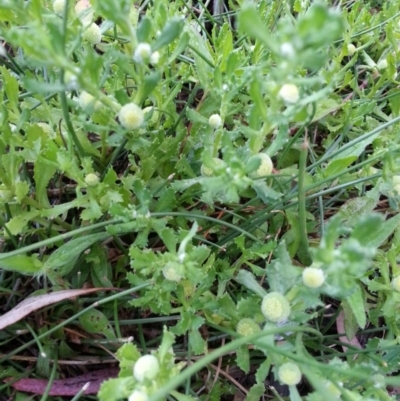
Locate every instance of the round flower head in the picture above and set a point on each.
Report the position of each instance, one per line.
(92, 34)
(88, 102)
(58, 6)
(265, 167)
(146, 367)
(142, 52)
(92, 180)
(131, 116)
(207, 171)
(215, 121)
(47, 130)
(289, 374)
(138, 396)
(382, 64)
(396, 283)
(173, 271)
(289, 93)
(313, 277)
(351, 49)
(275, 307)
(154, 58)
(247, 326)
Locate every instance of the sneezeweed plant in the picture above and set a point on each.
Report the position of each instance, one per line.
(146, 143)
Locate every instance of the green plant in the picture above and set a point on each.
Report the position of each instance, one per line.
(228, 170)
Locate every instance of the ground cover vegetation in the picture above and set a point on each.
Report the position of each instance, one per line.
(199, 201)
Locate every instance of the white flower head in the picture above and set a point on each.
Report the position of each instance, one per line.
(92, 180)
(289, 93)
(287, 50)
(142, 53)
(58, 6)
(155, 58)
(215, 121)
(266, 165)
(382, 64)
(138, 395)
(146, 367)
(131, 116)
(92, 34)
(275, 307)
(173, 271)
(313, 277)
(351, 49)
(289, 374)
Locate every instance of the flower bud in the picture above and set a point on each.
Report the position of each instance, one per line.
(58, 6)
(351, 49)
(247, 326)
(215, 121)
(289, 93)
(131, 116)
(92, 180)
(265, 167)
(142, 52)
(138, 396)
(92, 34)
(313, 277)
(154, 58)
(208, 171)
(146, 367)
(275, 307)
(289, 374)
(173, 271)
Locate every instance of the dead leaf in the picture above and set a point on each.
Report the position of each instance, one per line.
(34, 303)
(66, 387)
(340, 329)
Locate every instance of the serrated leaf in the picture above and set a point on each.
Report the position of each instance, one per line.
(281, 273)
(22, 264)
(247, 279)
(255, 393)
(263, 370)
(243, 358)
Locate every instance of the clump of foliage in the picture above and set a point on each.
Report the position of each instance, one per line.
(231, 174)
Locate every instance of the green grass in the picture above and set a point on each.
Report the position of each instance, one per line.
(174, 218)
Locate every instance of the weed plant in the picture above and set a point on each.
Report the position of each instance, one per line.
(227, 177)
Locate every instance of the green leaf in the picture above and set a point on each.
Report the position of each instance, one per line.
(94, 321)
(350, 322)
(282, 275)
(247, 279)
(144, 30)
(251, 23)
(70, 252)
(169, 33)
(11, 88)
(356, 303)
(243, 358)
(22, 264)
(255, 393)
(263, 370)
(378, 237)
(116, 389)
(149, 84)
